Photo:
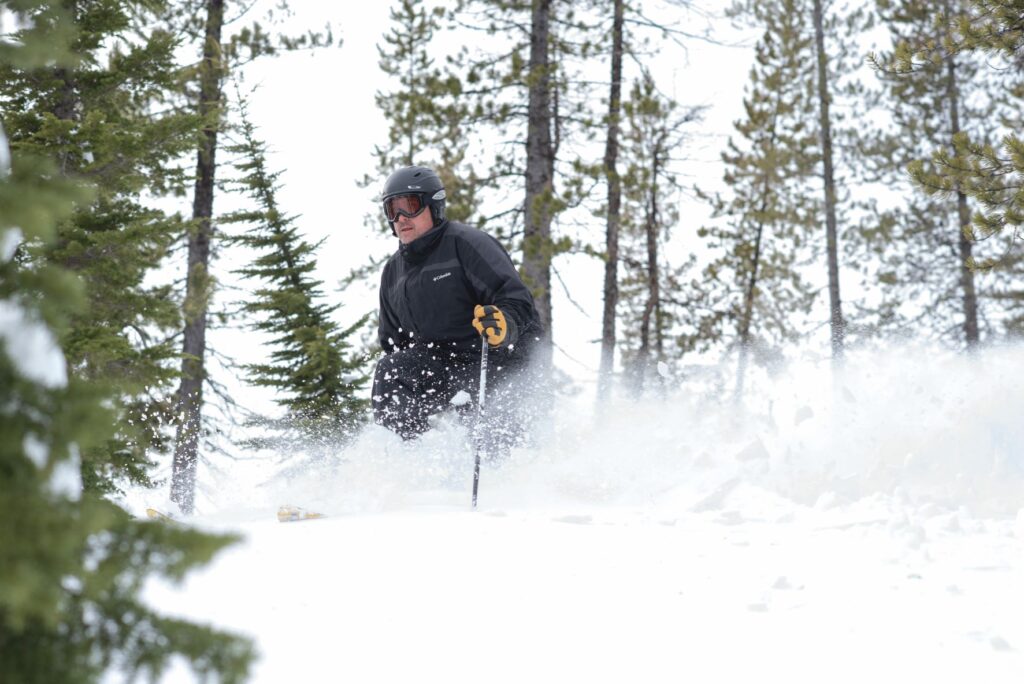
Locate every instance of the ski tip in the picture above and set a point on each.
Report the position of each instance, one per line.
(288, 513)
(154, 514)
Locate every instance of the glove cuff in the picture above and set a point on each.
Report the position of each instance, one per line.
(511, 333)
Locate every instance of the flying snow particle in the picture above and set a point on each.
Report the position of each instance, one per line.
(9, 242)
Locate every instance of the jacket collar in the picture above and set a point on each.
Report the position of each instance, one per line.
(419, 249)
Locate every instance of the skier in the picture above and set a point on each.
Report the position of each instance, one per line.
(447, 285)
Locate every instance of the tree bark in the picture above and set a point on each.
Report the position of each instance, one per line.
(536, 267)
(653, 278)
(653, 304)
(68, 105)
(193, 368)
(611, 155)
(66, 109)
(970, 295)
(838, 325)
(746, 317)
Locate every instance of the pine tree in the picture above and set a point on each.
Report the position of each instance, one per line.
(98, 115)
(221, 56)
(526, 88)
(660, 303)
(199, 284)
(72, 565)
(539, 205)
(621, 43)
(828, 44)
(612, 224)
(826, 84)
(426, 115)
(990, 173)
(994, 175)
(312, 367)
(770, 217)
(925, 250)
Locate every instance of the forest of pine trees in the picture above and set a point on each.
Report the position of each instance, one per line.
(872, 191)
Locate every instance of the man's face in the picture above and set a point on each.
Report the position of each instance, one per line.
(409, 229)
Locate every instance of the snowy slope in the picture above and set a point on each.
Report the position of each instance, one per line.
(867, 531)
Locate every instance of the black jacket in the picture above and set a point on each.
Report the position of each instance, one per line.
(430, 286)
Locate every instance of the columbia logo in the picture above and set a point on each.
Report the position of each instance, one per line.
(443, 275)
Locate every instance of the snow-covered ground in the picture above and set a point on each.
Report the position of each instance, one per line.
(867, 530)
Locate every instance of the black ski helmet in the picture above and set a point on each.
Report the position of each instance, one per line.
(416, 180)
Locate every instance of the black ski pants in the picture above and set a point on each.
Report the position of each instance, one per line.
(411, 384)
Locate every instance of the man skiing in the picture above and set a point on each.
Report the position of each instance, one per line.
(447, 285)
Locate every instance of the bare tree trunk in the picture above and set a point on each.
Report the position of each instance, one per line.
(653, 303)
(655, 285)
(970, 296)
(747, 315)
(68, 103)
(66, 109)
(190, 393)
(536, 267)
(611, 265)
(838, 325)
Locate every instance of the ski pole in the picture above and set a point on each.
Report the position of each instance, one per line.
(480, 416)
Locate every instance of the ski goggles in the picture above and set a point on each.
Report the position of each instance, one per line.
(406, 205)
